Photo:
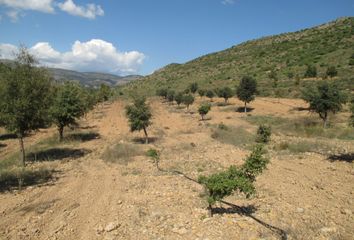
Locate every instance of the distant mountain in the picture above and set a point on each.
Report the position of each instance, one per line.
(286, 56)
(89, 79)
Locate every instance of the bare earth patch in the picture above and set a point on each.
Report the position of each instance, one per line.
(302, 195)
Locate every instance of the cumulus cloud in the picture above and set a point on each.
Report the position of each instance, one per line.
(94, 55)
(228, 2)
(90, 11)
(37, 5)
(17, 7)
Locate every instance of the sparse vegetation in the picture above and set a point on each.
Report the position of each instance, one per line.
(235, 136)
(121, 153)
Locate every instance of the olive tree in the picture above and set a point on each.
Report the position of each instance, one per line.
(193, 87)
(210, 94)
(67, 106)
(179, 98)
(324, 98)
(25, 98)
(139, 116)
(246, 90)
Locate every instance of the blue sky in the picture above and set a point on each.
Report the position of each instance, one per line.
(140, 36)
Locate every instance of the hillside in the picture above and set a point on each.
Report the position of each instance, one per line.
(288, 55)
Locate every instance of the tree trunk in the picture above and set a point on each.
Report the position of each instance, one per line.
(146, 136)
(22, 161)
(325, 122)
(210, 209)
(202, 117)
(225, 100)
(61, 133)
(245, 107)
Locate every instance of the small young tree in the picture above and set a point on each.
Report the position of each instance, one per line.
(179, 98)
(67, 106)
(25, 98)
(139, 116)
(170, 96)
(263, 134)
(220, 185)
(225, 93)
(201, 92)
(311, 71)
(193, 87)
(331, 71)
(203, 109)
(324, 98)
(246, 90)
(188, 100)
(210, 94)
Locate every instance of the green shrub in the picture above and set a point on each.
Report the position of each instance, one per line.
(263, 134)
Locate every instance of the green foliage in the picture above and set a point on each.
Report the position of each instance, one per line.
(104, 93)
(351, 60)
(179, 98)
(224, 93)
(210, 94)
(193, 87)
(170, 95)
(162, 92)
(188, 100)
(222, 184)
(324, 98)
(203, 109)
(331, 71)
(310, 72)
(25, 97)
(201, 92)
(154, 155)
(67, 106)
(139, 115)
(246, 90)
(263, 133)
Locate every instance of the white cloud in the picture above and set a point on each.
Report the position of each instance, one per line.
(228, 2)
(94, 55)
(37, 5)
(90, 11)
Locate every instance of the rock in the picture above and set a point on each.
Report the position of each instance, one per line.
(111, 226)
(328, 229)
(119, 202)
(346, 211)
(99, 229)
(300, 210)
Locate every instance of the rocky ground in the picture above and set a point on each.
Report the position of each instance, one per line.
(299, 196)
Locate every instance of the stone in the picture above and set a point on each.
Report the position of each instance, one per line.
(328, 229)
(300, 210)
(111, 226)
(346, 211)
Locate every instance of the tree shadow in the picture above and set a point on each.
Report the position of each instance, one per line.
(232, 210)
(9, 179)
(300, 109)
(344, 157)
(242, 109)
(2, 145)
(8, 136)
(248, 211)
(223, 104)
(83, 137)
(38, 208)
(88, 127)
(141, 140)
(56, 154)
